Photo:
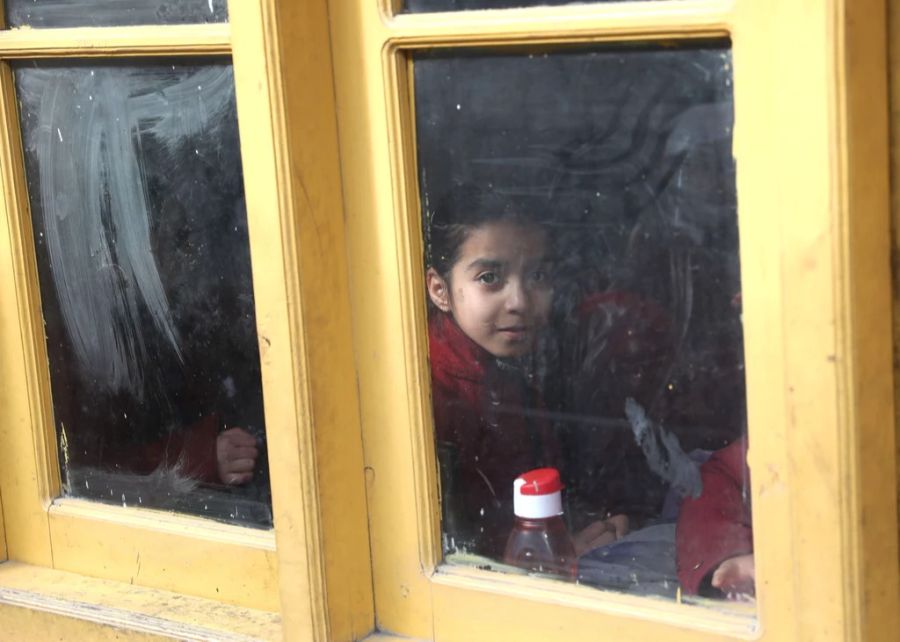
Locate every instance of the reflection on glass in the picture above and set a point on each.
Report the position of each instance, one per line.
(584, 301)
(111, 13)
(424, 6)
(134, 176)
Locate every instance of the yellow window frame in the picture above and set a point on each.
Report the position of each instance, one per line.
(810, 140)
(811, 147)
(313, 567)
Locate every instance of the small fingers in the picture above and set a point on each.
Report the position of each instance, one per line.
(725, 574)
(236, 455)
(239, 437)
(731, 578)
(241, 452)
(717, 578)
(239, 466)
(237, 472)
(620, 523)
(595, 535)
(234, 479)
(602, 540)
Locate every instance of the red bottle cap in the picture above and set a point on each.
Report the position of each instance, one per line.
(537, 494)
(541, 481)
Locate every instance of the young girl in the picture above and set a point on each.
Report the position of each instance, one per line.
(489, 280)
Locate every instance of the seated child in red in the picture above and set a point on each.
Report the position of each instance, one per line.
(714, 536)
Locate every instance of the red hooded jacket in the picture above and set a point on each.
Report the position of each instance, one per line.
(486, 436)
(717, 525)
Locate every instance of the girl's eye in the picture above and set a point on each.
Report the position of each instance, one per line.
(488, 278)
(538, 276)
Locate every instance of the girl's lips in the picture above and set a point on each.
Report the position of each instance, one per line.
(514, 331)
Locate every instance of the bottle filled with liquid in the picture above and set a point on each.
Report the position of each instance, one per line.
(539, 541)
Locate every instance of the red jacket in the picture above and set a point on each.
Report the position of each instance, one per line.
(718, 524)
(485, 437)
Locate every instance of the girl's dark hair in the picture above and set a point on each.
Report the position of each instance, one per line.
(466, 208)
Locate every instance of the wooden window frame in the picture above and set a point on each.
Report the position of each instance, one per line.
(318, 575)
(811, 147)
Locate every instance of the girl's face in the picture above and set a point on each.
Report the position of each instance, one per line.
(499, 290)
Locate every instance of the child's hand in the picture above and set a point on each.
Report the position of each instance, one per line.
(600, 533)
(236, 454)
(736, 577)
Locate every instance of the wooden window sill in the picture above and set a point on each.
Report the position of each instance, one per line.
(36, 601)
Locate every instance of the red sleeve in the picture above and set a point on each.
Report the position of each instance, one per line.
(197, 451)
(717, 525)
(193, 450)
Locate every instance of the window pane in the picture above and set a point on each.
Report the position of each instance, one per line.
(109, 13)
(584, 298)
(424, 6)
(135, 182)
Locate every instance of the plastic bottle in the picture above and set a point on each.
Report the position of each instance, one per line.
(539, 541)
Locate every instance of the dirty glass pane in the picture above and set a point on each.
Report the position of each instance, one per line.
(424, 6)
(584, 294)
(111, 13)
(135, 183)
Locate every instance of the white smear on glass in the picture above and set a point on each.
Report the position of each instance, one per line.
(96, 208)
(663, 452)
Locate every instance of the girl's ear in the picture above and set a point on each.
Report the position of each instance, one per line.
(438, 290)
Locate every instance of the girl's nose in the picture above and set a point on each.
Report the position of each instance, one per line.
(517, 296)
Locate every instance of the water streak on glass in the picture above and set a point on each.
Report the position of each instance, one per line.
(584, 294)
(112, 13)
(425, 6)
(135, 183)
